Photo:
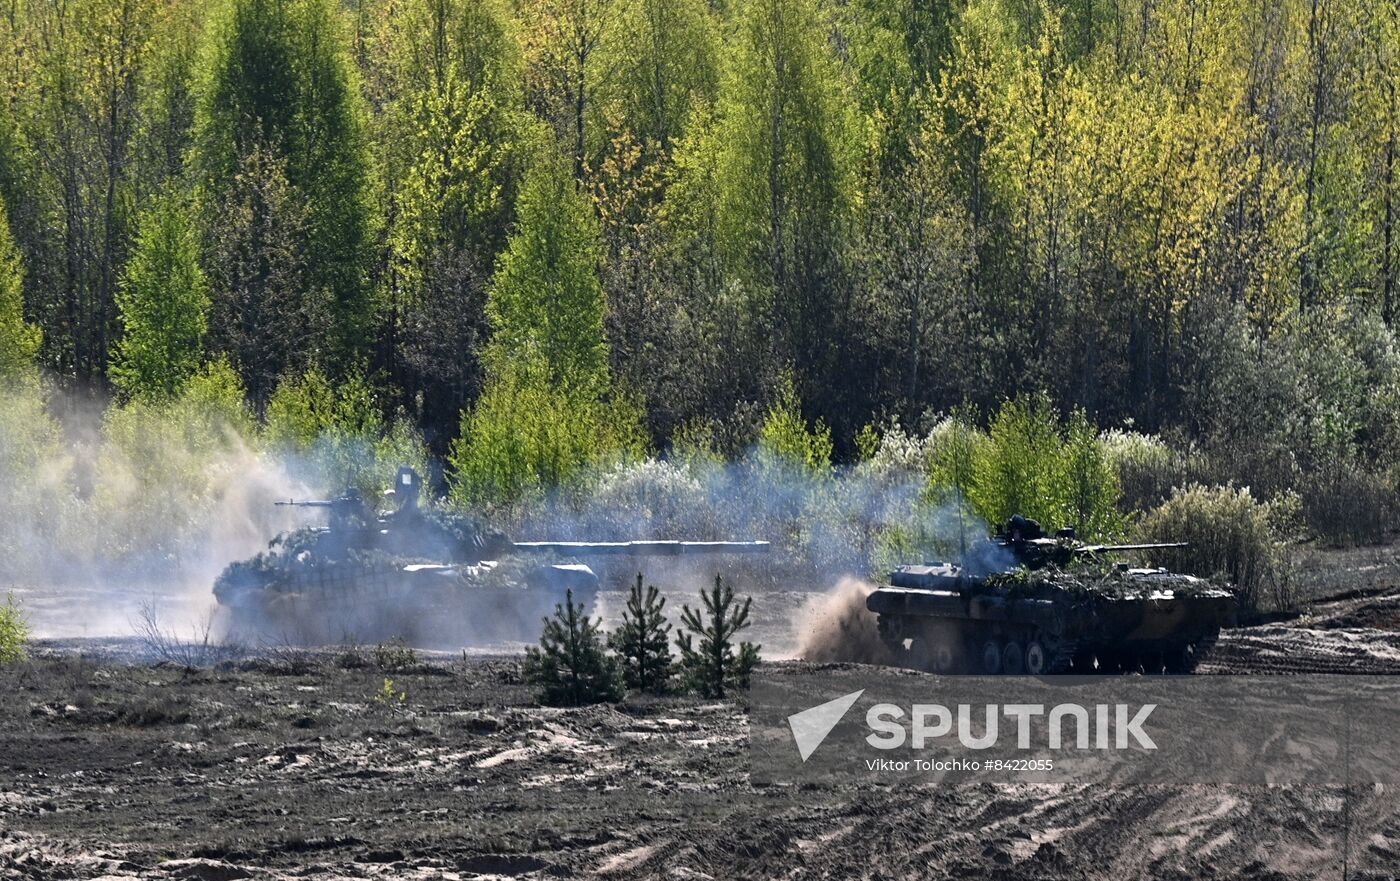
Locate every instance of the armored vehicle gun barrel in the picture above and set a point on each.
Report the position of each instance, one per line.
(1116, 549)
(651, 548)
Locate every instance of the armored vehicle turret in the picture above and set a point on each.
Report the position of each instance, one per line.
(1023, 601)
(426, 575)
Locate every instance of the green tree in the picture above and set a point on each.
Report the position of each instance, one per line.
(641, 641)
(257, 266)
(546, 304)
(665, 60)
(14, 632)
(1090, 480)
(163, 304)
(335, 434)
(277, 78)
(547, 410)
(19, 342)
(783, 154)
(711, 666)
(570, 664)
(785, 440)
(1017, 470)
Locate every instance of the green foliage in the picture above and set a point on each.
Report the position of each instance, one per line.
(525, 437)
(1017, 470)
(336, 435)
(389, 696)
(1028, 463)
(641, 641)
(14, 632)
(711, 666)
(570, 665)
(19, 342)
(1177, 219)
(1231, 536)
(277, 77)
(547, 413)
(784, 142)
(1089, 481)
(546, 304)
(395, 654)
(163, 304)
(786, 441)
(164, 462)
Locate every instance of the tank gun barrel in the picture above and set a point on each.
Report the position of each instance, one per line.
(306, 503)
(1149, 546)
(662, 548)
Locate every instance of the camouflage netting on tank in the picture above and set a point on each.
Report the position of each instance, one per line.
(1089, 580)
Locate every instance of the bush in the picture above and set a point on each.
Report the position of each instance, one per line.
(335, 435)
(570, 665)
(395, 655)
(1231, 537)
(713, 668)
(641, 640)
(1347, 506)
(525, 437)
(14, 632)
(786, 441)
(1028, 463)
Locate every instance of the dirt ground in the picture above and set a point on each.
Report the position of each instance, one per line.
(299, 764)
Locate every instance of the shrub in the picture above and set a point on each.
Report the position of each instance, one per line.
(641, 641)
(785, 439)
(1347, 506)
(1088, 480)
(1230, 537)
(388, 695)
(1029, 464)
(1015, 470)
(713, 668)
(336, 436)
(395, 654)
(526, 436)
(14, 632)
(570, 665)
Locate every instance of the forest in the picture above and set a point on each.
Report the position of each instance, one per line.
(531, 239)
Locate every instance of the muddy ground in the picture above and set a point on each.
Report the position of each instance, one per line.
(298, 764)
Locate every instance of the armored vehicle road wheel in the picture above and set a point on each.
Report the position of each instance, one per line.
(1013, 661)
(991, 657)
(1037, 658)
(943, 660)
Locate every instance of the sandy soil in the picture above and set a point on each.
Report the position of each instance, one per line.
(289, 765)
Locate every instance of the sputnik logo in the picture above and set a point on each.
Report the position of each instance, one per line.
(811, 726)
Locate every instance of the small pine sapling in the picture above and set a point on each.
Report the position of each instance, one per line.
(642, 641)
(570, 665)
(712, 668)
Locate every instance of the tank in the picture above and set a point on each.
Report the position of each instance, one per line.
(1026, 602)
(425, 575)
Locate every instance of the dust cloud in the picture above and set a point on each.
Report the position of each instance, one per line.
(838, 627)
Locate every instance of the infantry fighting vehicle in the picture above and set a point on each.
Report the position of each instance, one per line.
(1026, 602)
(422, 574)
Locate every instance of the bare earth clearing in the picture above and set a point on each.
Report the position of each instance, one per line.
(288, 766)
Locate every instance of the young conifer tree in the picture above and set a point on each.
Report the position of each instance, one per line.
(570, 665)
(712, 668)
(642, 640)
